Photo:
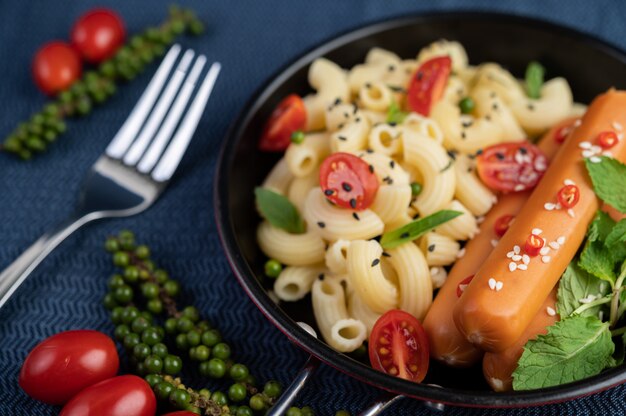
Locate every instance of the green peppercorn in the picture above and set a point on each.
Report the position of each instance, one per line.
(163, 390)
(25, 154)
(272, 389)
(342, 413)
(216, 368)
(155, 306)
(184, 324)
(160, 275)
(467, 105)
(35, 143)
(211, 337)
(153, 379)
(144, 274)
(293, 411)
(121, 331)
(60, 126)
(250, 380)
(170, 325)
(191, 313)
(171, 287)
(49, 135)
(12, 144)
(147, 316)
(220, 398)
(237, 392)
(172, 364)
(116, 314)
(123, 294)
(140, 324)
(151, 336)
(109, 301)
(141, 351)
(130, 340)
(153, 363)
(51, 110)
(204, 393)
(273, 268)
(127, 239)
(238, 372)
(150, 290)
(193, 338)
(131, 273)
(244, 411)
(107, 68)
(257, 402)
(181, 342)
(140, 369)
(221, 351)
(202, 353)
(121, 258)
(142, 252)
(307, 411)
(196, 27)
(129, 314)
(180, 398)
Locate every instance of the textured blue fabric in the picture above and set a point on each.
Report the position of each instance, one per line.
(252, 39)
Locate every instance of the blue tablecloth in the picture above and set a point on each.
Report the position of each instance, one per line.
(252, 39)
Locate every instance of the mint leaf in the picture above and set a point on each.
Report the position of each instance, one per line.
(417, 228)
(394, 114)
(534, 79)
(597, 260)
(609, 181)
(573, 349)
(279, 211)
(600, 227)
(576, 284)
(617, 234)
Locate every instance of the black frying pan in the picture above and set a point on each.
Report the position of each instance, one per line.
(590, 65)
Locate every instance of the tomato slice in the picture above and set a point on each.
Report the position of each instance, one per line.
(502, 224)
(427, 84)
(511, 167)
(460, 288)
(288, 116)
(348, 181)
(398, 345)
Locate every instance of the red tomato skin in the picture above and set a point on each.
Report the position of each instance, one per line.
(64, 364)
(56, 66)
(288, 116)
(98, 34)
(363, 182)
(118, 396)
(427, 84)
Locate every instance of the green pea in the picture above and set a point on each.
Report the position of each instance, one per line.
(172, 364)
(273, 268)
(416, 189)
(467, 105)
(221, 351)
(272, 389)
(297, 137)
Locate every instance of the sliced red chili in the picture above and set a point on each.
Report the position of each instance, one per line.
(568, 196)
(563, 132)
(460, 288)
(502, 224)
(534, 244)
(607, 139)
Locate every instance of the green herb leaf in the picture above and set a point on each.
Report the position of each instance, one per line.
(534, 79)
(576, 284)
(600, 227)
(394, 114)
(609, 181)
(597, 260)
(279, 211)
(417, 228)
(617, 234)
(573, 349)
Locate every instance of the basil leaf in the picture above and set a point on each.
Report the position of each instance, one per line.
(597, 260)
(609, 181)
(600, 227)
(576, 284)
(394, 114)
(279, 211)
(573, 349)
(534, 79)
(417, 228)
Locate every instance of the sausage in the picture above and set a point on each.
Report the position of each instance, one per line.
(498, 367)
(445, 341)
(499, 304)
(613, 213)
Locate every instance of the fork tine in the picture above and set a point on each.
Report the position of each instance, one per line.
(151, 156)
(127, 133)
(159, 110)
(174, 153)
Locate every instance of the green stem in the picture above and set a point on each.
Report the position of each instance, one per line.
(615, 301)
(619, 331)
(585, 306)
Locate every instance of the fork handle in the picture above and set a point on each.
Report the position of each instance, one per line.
(14, 275)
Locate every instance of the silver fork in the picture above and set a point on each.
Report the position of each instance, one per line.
(138, 163)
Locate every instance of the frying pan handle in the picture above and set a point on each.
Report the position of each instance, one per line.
(289, 395)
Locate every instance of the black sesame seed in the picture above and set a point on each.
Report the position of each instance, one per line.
(463, 135)
(479, 152)
(342, 138)
(356, 216)
(339, 127)
(369, 150)
(337, 101)
(391, 68)
(431, 248)
(395, 88)
(493, 94)
(375, 262)
(353, 203)
(346, 186)
(392, 123)
(467, 124)
(320, 276)
(495, 106)
(523, 150)
(321, 224)
(358, 119)
(500, 156)
(469, 170)
(488, 117)
(354, 108)
(329, 192)
(385, 254)
(445, 168)
(416, 216)
(392, 164)
(404, 235)
(452, 154)
(371, 169)
(531, 107)
(368, 85)
(346, 115)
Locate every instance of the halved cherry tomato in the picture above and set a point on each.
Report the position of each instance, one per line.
(427, 84)
(398, 345)
(568, 196)
(533, 245)
(288, 117)
(64, 364)
(118, 396)
(55, 67)
(462, 285)
(607, 139)
(511, 166)
(502, 224)
(98, 34)
(348, 181)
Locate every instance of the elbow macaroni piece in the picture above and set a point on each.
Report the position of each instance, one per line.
(425, 126)
(360, 311)
(453, 49)
(385, 168)
(305, 157)
(331, 84)
(375, 96)
(300, 188)
(279, 178)
(462, 227)
(416, 291)
(438, 275)
(391, 205)
(290, 249)
(494, 78)
(386, 139)
(470, 191)
(294, 282)
(337, 257)
(440, 250)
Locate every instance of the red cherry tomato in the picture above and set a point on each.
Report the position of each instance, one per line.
(427, 84)
(534, 244)
(288, 117)
(398, 345)
(64, 364)
(348, 181)
(568, 196)
(462, 285)
(511, 166)
(502, 224)
(607, 139)
(118, 396)
(55, 67)
(98, 34)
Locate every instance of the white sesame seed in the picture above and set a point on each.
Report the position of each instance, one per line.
(516, 249)
(523, 267)
(519, 158)
(607, 153)
(460, 253)
(554, 245)
(510, 254)
(570, 212)
(557, 205)
(434, 271)
(569, 182)
(526, 259)
(499, 286)
(595, 159)
(480, 219)
(548, 206)
(584, 145)
(494, 242)
(512, 266)
(617, 126)
(546, 259)
(536, 231)
(577, 123)
(544, 250)
(588, 153)
(540, 164)
(550, 311)
(561, 240)
(596, 149)
(519, 187)
(516, 257)
(492, 283)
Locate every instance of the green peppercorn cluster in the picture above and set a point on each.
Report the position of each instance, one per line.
(156, 334)
(97, 85)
